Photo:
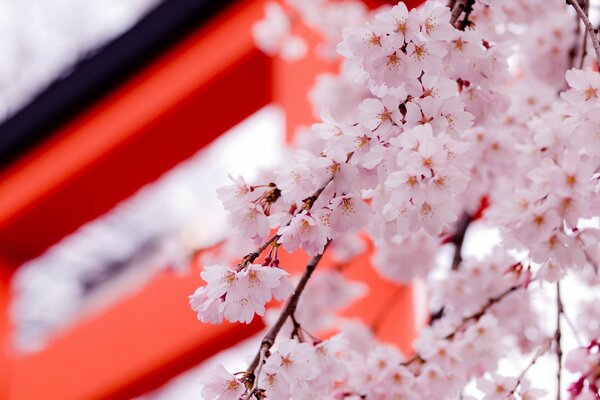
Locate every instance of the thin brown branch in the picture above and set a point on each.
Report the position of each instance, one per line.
(457, 10)
(473, 317)
(574, 50)
(571, 325)
(492, 301)
(583, 51)
(586, 9)
(537, 355)
(457, 239)
(288, 310)
(588, 25)
(466, 22)
(254, 255)
(309, 201)
(590, 260)
(261, 360)
(557, 339)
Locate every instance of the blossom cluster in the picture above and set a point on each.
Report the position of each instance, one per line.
(436, 113)
(585, 362)
(546, 211)
(238, 295)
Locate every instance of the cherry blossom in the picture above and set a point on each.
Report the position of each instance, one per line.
(238, 295)
(220, 384)
(437, 118)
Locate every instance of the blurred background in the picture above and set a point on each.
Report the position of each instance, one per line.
(118, 120)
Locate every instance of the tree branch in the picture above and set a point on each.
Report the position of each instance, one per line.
(288, 310)
(458, 7)
(469, 318)
(588, 25)
(557, 339)
(537, 355)
(586, 9)
(309, 201)
(261, 360)
(457, 239)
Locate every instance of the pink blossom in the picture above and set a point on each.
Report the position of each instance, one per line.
(306, 231)
(220, 384)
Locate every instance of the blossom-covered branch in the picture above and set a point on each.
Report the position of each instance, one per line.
(289, 309)
(592, 32)
(557, 341)
(424, 119)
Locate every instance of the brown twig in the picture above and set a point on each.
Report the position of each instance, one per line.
(309, 201)
(466, 22)
(261, 360)
(288, 310)
(571, 325)
(473, 317)
(557, 339)
(537, 355)
(254, 255)
(457, 239)
(583, 51)
(586, 9)
(457, 10)
(588, 25)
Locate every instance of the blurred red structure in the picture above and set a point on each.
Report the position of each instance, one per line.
(176, 106)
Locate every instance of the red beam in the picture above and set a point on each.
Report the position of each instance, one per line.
(190, 96)
(135, 346)
(6, 355)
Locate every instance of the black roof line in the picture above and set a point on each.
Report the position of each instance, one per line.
(101, 72)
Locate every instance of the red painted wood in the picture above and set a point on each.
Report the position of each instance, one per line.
(6, 355)
(135, 346)
(178, 105)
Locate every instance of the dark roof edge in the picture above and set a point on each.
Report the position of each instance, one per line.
(97, 75)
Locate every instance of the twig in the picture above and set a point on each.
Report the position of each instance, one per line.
(309, 201)
(468, 10)
(457, 239)
(469, 318)
(573, 51)
(583, 51)
(487, 305)
(254, 255)
(456, 11)
(539, 353)
(586, 8)
(261, 361)
(572, 327)
(592, 262)
(588, 25)
(288, 310)
(557, 338)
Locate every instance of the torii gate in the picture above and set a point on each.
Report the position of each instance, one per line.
(94, 162)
